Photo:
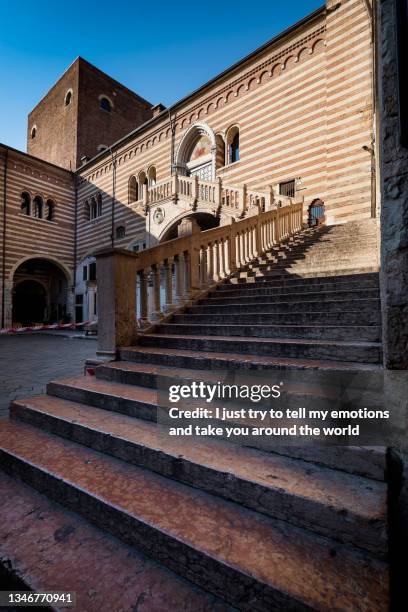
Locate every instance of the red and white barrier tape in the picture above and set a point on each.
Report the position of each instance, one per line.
(19, 330)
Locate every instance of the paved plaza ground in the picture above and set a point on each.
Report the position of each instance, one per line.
(29, 361)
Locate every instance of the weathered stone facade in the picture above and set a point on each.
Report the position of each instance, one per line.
(394, 197)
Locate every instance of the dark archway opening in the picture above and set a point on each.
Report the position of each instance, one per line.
(40, 293)
(205, 221)
(29, 303)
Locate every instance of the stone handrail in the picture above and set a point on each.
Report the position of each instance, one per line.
(199, 260)
(237, 200)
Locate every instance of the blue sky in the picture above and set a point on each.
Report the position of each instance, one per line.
(161, 50)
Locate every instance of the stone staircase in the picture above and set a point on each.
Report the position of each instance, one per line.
(98, 499)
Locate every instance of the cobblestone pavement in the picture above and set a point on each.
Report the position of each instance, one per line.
(28, 362)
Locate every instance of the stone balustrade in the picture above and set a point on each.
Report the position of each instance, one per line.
(190, 266)
(237, 200)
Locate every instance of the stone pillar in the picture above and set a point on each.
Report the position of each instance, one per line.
(116, 279)
(394, 197)
(203, 268)
(168, 287)
(187, 227)
(144, 297)
(157, 313)
(180, 278)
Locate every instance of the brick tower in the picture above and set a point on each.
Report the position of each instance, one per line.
(85, 111)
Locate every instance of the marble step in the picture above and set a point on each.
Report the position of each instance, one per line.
(266, 317)
(353, 333)
(251, 560)
(352, 351)
(256, 289)
(42, 543)
(248, 296)
(268, 305)
(365, 280)
(347, 508)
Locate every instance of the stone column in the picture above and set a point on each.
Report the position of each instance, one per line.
(144, 297)
(157, 313)
(168, 270)
(180, 278)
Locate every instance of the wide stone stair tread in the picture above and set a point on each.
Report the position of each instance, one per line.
(292, 294)
(73, 555)
(346, 317)
(260, 340)
(225, 360)
(251, 559)
(327, 331)
(271, 306)
(350, 508)
(353, 351)
(110, 391)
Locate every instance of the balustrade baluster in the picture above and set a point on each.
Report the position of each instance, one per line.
(187, 276)
(217, 263)
(210, 263)
(223, 258)
(156, 306)
(203, 268)
(180, 283)
(168, 270)
(144, 315)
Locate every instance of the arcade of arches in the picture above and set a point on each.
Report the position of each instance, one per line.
(39, 293)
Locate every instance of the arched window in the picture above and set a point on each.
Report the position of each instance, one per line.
(87, 211)
(233, 144)
(142, 180)
(37, 207)
(99, 205)
(220, 156)
(151, 176)
(105, 104)
(68, 97)
(33, 131)
(25, 203)
(133, 190)
(94, 208)
(49, 210)
(120, 232)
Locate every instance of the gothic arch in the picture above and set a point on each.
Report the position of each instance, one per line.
(187, 143)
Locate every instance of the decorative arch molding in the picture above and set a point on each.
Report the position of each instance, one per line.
(53, 260)
(187, 143)
(182, 215)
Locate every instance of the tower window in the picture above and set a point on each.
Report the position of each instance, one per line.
(33, 131)
(105, 104)
(68, 97)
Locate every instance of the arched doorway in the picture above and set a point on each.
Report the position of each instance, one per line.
(29, 302)
(316, 213)
(204, 220)
(40, 293)
(196, 155)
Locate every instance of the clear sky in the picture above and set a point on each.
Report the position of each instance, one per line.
(161, 50)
